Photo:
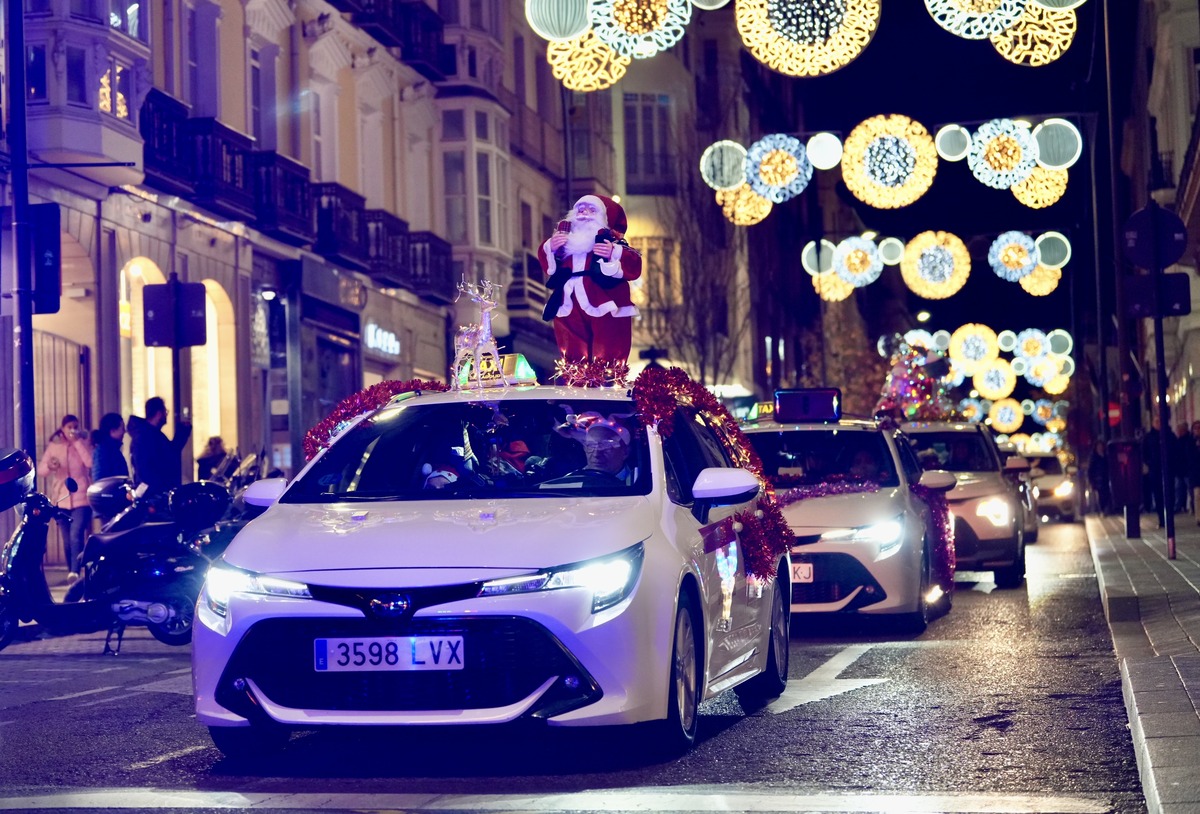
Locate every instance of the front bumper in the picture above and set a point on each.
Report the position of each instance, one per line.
(856, 577)
(980, 544)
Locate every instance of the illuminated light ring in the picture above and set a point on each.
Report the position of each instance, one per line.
(558, 20)
(961, 17)
(1043, 411)
(1013, 255)
(941, 340)
(955, 377)
(995, 379)
(1031, 344)
(953, 142)
(824, 150)
(777, 167)
(1041, 282)
(831, 288)
(889, 161)
(972, 346)
(1019, 366)
(1057, 385)
(585, 64)
(1058, 5)
(856, 260)
(1041, 371)
(1003, 153)
(1042, 188)
(723, 165)
(1027, 406)
(1054, 249)
(1006, 415)
(971, 410)
(1006, 340)
(743, 206)
(1066, 365)
(817, 261)
(649, 26)
(710, 5)
(1040, 37)
(919, 338)
(830, 37)
(935, 265)
(1060, 144)
(891, 251)
(1060, 341)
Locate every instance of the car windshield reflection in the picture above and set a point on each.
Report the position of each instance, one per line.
(810, 457)
(954, 451)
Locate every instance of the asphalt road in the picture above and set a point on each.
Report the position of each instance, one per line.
(1010, 703)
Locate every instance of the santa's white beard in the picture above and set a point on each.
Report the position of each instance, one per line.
(581, 237)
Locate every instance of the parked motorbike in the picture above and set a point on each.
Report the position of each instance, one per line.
(146, 575)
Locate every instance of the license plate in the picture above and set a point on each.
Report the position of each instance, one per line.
(398, 653)
(802, 572)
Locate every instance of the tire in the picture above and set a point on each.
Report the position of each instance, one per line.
(177, 631)
(9, 622)
(916, 622)
(677, 733)
(772, 681)
(249, 743)
(1013, 575)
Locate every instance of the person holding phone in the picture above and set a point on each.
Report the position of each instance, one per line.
(155, 457)
(68, 456)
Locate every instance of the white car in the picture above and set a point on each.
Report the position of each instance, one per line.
(479, 557)
(867, 539)
(1053, 487)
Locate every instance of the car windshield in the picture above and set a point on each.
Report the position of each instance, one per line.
(514, 448)
(809, 457)
(954, 451)
(1049, 464)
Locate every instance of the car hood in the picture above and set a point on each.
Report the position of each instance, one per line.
(814, 515)
(1048, 481)
(455, 540)
(978, 484)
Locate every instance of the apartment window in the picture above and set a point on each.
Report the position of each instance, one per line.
(483, 192)
(35, 73)
(85, 8)
(448, 11)
(454, 125)
(477, 14)
(77, 91)
(317, 137)
(113, 97)
(481, 126)
(371, 152)
(322, 116)
(648, 168)
(518, 48)
(201, 58)
(1195, 77)
(502, 210)
(472, 63)
(256, 108)
(454, 173)
(127, 16)
(37, 6)
(526, 226)
(191, 57)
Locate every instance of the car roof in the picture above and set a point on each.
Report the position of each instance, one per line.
(516, 392)
(768, 424)
(916, 427)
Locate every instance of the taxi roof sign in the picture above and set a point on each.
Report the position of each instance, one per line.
(514, 369)
(809, 404)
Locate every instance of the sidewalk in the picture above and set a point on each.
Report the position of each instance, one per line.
(1153, 609)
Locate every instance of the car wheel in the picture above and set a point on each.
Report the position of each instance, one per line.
(772, 681)
(248, 743)
(677, 733)
(1013, 575)
(918, 620)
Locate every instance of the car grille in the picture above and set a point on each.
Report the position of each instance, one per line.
(505, 660)
(966, 541)
(835, 577)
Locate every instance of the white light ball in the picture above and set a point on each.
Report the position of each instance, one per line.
(558, 20)
(824, 151)
(891, 251)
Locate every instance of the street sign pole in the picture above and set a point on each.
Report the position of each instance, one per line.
(22, 270)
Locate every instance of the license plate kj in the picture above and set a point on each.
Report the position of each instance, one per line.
(802, 572)
(388, 653)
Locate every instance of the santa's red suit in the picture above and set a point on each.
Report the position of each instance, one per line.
(589, 295)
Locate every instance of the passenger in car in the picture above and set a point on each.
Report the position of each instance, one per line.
(864, 466)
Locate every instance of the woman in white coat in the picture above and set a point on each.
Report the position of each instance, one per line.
(69, 455)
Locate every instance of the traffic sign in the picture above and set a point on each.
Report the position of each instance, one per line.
(1154, 237)
(1175, 295)
(1114, 414)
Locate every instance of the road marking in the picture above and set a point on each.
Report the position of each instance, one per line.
(641, 800)
(823, 682)
(154, 761)
(69, 696)
(179, 684)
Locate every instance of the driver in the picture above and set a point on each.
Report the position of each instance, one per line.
(606, 445)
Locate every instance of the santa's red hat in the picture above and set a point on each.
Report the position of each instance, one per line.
(614, 213)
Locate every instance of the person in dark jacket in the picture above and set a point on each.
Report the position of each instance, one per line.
(108, 459)
(155, 457)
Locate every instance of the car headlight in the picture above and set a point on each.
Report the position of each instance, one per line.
(610, 578)
(1064, 489)
(223, 581)
(1037, 492)
(996, 510)
(888, 535)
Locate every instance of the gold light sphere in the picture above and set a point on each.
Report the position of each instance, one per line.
(743, 206)
(1006, 415)
(1039, 37)
(1041, 281)
(995, 380)
(639, 29)
(1003, 152)
(586, 64)
(975, 19)
(1042, 188)
(806, 38)
(1057, 385)
(830, 287)
(889, 161)
(935, 265)
(972, 347)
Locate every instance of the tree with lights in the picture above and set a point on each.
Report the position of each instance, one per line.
(914, 389)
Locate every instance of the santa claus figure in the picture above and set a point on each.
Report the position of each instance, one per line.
(588, 267)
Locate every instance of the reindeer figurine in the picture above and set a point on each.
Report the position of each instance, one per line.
(473, 341)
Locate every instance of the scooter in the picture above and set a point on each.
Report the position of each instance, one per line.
(147, 575)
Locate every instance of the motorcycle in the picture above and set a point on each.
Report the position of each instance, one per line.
(146, 575)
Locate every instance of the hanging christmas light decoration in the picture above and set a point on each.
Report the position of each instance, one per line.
(918, 338)
(743, 206)
(806, 38)
(1041, 371)
(935, 265)
(1060, 144)
(891, 251)
(817, 258)
(1060, 341)
(856, 260)
(953, 142)
(639, 29)
(1031, 344)
(1058, 5)
(955, 377)
(723, 165)
(941, 340)
(1041, 281)
(1019, 366)
(1042, 188)
(710, 5)
(1038, 38)
(558, 20)
(1057, 385)
(585, 64)
(971, 410)
(777, 167)
(1054, 250)
(995, 379)
(1006, 415)
(1027, 406)
(889, 161)
(1013, 255)
(824, 150)
(1006, 340)
(975, 19)
(972, 346)
(1002, 153)
(1043, 411)
(830, 287)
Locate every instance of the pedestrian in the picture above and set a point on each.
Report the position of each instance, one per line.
(211, 458)
(1097, 475)
(1180, 458)
(108, 459)
(155, 457)
(1194, 469)
(68, 456)
(1152, 464)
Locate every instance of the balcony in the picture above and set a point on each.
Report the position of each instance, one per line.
(430, 258)
(283, 200)
(387, 249)
(649, 173)
(168, 154)
(527, 295)
(349, 6)
(381, 19)
(223, 181)
(420, 32)
(536, 140)
(341, 225)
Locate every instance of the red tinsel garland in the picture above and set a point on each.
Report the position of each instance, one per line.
(364, 401)
(943, 534)
(764, 533)
(798, 493)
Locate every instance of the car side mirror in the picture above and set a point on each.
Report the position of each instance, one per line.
(722, 486)
(938, 480)
(265, 492)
